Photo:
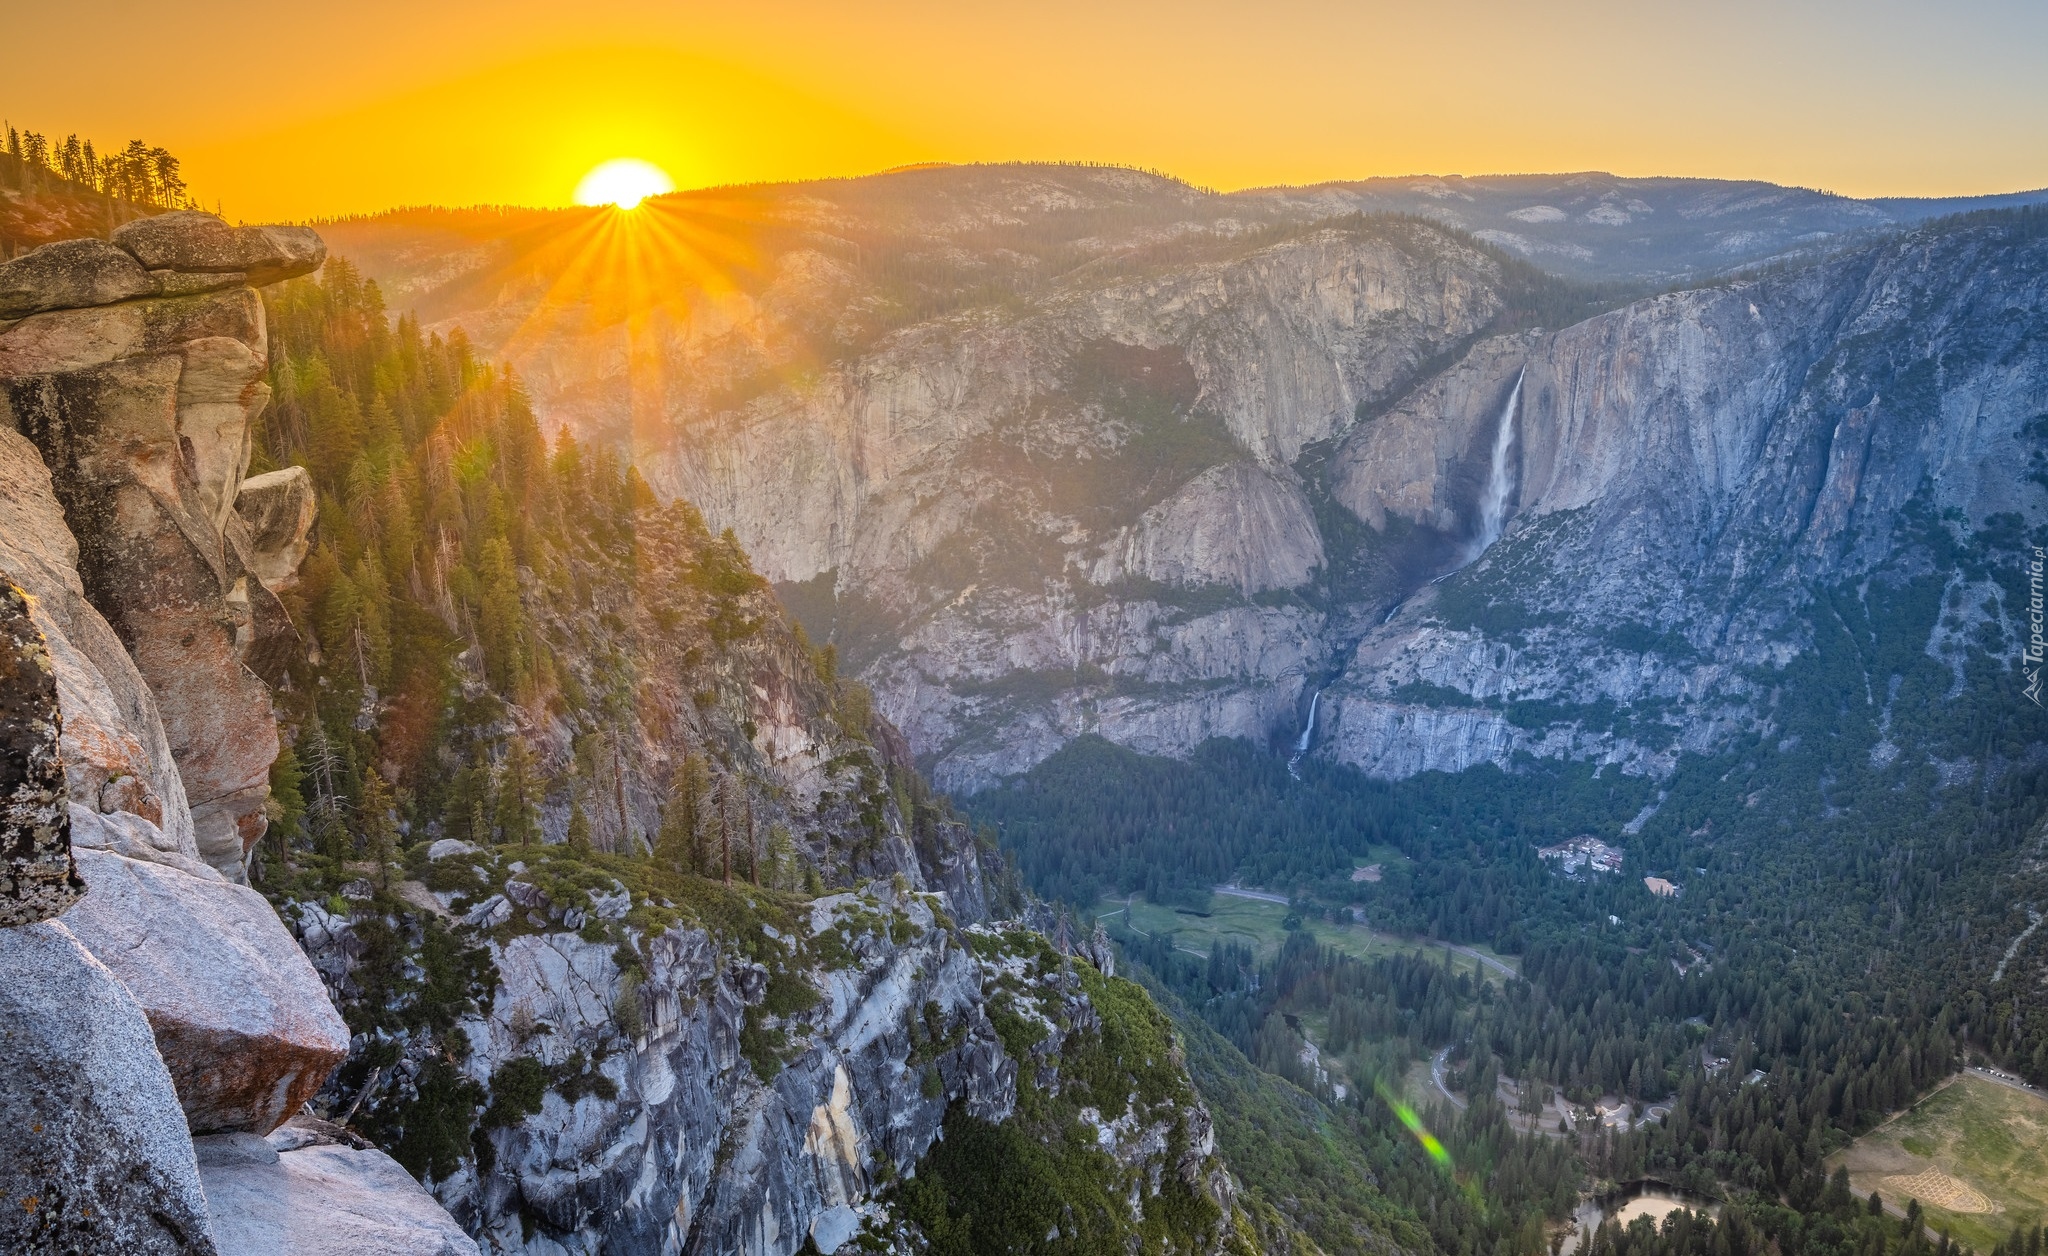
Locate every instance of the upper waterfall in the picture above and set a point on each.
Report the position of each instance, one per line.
(1500, 478)
(1308, 732)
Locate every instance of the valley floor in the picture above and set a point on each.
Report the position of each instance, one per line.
(1235, 916)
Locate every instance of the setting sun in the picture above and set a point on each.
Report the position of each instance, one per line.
(624, 182)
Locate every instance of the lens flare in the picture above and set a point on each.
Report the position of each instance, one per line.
(624, 182)
(1406, 1115)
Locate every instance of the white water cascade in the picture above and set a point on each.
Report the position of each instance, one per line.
(1500, 478)
(1308, 732)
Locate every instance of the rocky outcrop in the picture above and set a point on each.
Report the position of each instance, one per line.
(192, 243)
(309, 1188)
(748, 1085)
(96, 1154)
(241, 1019)
(117, 760)
(142, 410)
(168, 999)
(37, 877)
(754, 1086)
(278, 509)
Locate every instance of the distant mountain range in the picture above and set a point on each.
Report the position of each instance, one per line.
(1055, 450)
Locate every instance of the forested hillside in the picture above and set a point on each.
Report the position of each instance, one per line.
(488, 611)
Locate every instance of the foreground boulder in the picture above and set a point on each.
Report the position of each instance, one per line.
(94, 1155)
(37, 879)
(310, 1190)
(243, 1024)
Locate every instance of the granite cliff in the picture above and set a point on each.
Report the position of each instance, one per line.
(1052, 451)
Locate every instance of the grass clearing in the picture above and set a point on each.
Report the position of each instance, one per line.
(1262, 927)
(1974, 1153)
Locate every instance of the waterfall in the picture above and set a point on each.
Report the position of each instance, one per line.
(1500, 479)
(1308, 732)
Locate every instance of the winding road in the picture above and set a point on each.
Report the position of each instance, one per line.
(1437, 1065)
(2002, 1079)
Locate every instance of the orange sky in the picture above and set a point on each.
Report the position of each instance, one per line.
(318, 108)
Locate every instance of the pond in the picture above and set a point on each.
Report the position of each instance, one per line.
(1654, 1200)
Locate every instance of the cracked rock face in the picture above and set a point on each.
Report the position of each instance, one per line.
(241, 1019)
(139, 397)
(96, 1152)
(37, 877)
(697, 1152)
(1072, 520)
(763, 1089)
(70, 274)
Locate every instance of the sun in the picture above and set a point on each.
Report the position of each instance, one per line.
(624, 182)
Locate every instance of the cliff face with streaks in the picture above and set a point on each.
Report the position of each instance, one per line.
(1691, 473)
(1051, 451)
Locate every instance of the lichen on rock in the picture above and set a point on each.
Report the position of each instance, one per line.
(37, 877)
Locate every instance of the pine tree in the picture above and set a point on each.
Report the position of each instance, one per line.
(579, 829)
(516, 826)
(673, 840)
(324, 814)
(680, 843)
(373, 620)
(781, 853)
(379, 833)
(727, 819)
(502, 622)
(753, 843)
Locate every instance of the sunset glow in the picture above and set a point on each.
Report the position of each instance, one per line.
(624, 182)
(513, 103)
